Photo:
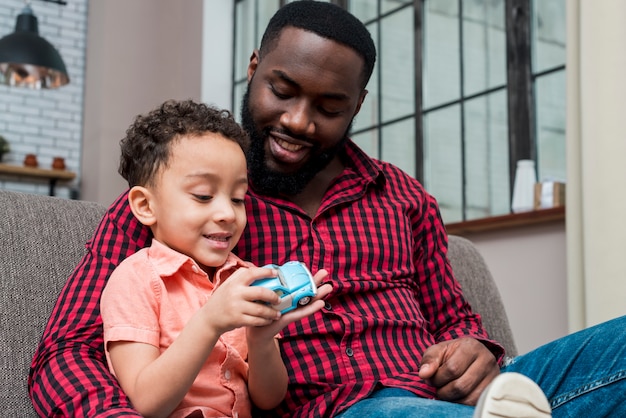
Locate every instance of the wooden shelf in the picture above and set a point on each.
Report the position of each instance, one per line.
(51, 175)
(513, 220)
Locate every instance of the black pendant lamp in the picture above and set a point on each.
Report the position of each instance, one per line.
(27, 59)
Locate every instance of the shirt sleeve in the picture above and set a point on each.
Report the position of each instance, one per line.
(447, 311)
(69, 374)
(130, 304)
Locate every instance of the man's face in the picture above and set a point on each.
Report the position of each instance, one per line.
(302, 97)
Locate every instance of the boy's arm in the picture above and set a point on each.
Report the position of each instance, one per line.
(267, 375)
(157, 382)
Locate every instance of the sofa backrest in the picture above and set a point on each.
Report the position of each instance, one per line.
(41, 241)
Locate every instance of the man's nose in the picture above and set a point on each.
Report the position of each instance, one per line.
(298, 118)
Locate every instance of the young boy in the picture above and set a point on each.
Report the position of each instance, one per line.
(184, 330)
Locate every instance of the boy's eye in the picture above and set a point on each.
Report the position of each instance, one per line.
(237, 201)
(202, 198)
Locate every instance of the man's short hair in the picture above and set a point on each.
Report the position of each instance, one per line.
(327, 20)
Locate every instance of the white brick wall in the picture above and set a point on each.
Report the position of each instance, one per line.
(47, 123)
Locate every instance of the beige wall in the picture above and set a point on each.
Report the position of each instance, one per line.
(529, 266)
(139, 53)
(596, 147)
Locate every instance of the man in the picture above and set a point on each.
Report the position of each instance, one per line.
(396, 330)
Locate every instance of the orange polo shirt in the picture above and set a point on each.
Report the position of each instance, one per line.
(151, 296)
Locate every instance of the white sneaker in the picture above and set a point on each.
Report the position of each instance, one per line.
(513, 395)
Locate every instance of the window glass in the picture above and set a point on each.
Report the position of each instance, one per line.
(389, 5)
(550, 121)
(368, 142)
(549, 32)
(398, 145)
(443, 160)
(368, 115)
(441, 58)
(244, 38)
(396, 57)
(484, 45)
(486, 156)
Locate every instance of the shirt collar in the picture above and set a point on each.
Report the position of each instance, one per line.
(168, 262)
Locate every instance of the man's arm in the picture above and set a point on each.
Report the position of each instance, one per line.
(464, 360)
(69, 375)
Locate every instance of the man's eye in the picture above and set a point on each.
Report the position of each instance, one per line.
(329, 112)
(279, 94)
(238, 201)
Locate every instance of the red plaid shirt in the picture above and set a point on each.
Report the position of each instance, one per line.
(377, 232)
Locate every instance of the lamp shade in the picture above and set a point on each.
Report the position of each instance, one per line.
(27, 59)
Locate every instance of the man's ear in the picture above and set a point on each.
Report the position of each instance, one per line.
(141, 203)
(254, 62)
(361, 100)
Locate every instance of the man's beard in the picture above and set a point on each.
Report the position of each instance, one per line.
(270, 182)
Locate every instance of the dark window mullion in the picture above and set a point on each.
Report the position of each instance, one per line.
(462, 115)
(519, 73)
(418, 7)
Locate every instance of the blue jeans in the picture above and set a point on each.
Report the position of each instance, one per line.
(582, 375)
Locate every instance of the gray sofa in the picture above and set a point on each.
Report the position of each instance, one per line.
(42, 239)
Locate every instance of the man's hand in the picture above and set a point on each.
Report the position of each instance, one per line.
(459, 369)
(315, 305)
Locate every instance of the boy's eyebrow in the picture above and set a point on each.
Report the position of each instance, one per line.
(283, 76)
(216, 176)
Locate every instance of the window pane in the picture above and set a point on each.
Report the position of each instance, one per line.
(251, 21)
(239, 90)
(550, 103)
(245, 40)
(441, 78)
(368, 141)
(368, 115)
(442, 160)
(484, 45)
(389, 5)
(548, 40)
(365, 10)
(398, 143)
(396, 53)
(486, 156)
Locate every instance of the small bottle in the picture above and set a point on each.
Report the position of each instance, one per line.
(524, 187)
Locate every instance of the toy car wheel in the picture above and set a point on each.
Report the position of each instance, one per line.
(304, 301)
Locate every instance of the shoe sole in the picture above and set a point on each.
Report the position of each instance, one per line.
(513, 395)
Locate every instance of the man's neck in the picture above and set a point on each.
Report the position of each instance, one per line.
(310, 198)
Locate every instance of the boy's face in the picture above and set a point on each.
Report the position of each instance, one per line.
(198, 201)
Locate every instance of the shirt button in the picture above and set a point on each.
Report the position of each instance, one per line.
(195, 268)
(349, 352)
(227, 374)
(328, 306)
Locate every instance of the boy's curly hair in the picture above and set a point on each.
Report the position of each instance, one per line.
(146, 147)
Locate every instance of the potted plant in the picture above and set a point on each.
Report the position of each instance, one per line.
(4, 147)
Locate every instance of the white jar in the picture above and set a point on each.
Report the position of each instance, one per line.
(524, 187)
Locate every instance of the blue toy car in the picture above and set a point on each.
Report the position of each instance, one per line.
(294, 284)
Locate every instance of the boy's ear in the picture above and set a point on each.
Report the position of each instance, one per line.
(141, 203)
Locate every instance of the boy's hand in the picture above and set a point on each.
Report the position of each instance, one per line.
(236, 304)
(274, 327)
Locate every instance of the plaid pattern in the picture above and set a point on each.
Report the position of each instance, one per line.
(377, 232)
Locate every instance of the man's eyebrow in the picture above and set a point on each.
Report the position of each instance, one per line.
(335, 96)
